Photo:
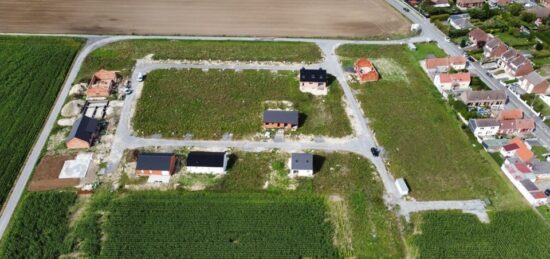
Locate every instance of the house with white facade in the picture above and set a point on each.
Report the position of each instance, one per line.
(313, 81)
(523, 178)
(301, 164)
(157, 166)
(199, 162)
(456, 82)
(534, 83)
(484, 127)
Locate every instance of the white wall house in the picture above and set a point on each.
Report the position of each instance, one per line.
(516, 172)
(207, 162)
(457, 82)
(484, 127)
(301, 164)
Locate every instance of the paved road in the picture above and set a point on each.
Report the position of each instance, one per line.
(475, 207)
(365, 139)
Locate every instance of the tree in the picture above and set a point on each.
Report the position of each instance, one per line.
(515, 8)
(463, 43)
(528, 17)
(539, 46)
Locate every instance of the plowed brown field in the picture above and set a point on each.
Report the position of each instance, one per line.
(308, 18)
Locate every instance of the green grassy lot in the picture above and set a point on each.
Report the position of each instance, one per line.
(123, 54)
(510, 234)
(425, 49)
(512, 40)
(32, 70)
(39, 226)
(209, 104)
(419, 130)
(537, 104)
(539, 152)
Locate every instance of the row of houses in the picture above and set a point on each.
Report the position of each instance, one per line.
(159, 167)
(511, 61)
(508, 122)
(441, 70)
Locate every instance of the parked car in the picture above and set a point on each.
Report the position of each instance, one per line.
(140, 77)
(375, 152)
(447, 39)
(406, 9)
(547, 192)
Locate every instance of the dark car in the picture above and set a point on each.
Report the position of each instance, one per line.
(406, 9)
(375, 152)
(547, 192)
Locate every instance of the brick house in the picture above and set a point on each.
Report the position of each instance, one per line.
(484, 127)
(158, 166)
(466, 4)
(453, 82)
(494, 48)
(534, 83)
(276, 119)
(435, 65)
(365, 70)
(493, 98)
(478, 37)
(313, 81)
(516, 126)
(518, 66)
(101, 84)
(83, 133)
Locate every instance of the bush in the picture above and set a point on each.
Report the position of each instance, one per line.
(458, 33)
(439, 17)
(444, 28)
(528, 17)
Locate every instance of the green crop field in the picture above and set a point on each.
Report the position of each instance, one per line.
(32, 70)
(217, 225)
(39, 226)
(510, 234)
(209, 104)
(122, 55)
(419, 131)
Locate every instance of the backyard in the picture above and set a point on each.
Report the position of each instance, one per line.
(122, 55)
(427, 145)
(211, 104)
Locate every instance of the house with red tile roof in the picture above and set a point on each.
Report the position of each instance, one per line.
(365, 70)
(534, 83)
(511, 114)
(518, 149)
(478, 37)
(523, 178)
(445, 64)
(455, 82)
(518, 66)
(466, 4)
(494, 48)
(516, 126)
(101, 84)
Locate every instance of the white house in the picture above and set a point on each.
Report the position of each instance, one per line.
(456, 82)
(484, 127)
(301, 164)
(534, 83)
(402, 186)
(460, 21)
(523, 179)
(207, 162)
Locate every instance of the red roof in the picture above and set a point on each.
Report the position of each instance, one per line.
(365, 70)
(456, 77)
(522, 167)
(510, 147)
(432, 63)
(363, 62)
(538, 195)
(511, 114)
(523, 152)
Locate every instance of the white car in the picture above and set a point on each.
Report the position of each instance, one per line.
(447, 39)
(140, 77)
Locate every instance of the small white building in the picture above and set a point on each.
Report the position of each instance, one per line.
(415, 27)
(484, 127)
(207, 162)
(456, 82)
(76, 168)
(402, 186)
(301, 164)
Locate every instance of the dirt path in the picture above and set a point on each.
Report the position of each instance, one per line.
(308, 18)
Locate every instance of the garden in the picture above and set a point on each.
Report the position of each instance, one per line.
(209, 104)
(33, 71)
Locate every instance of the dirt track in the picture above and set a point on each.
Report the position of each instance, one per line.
(308, 18)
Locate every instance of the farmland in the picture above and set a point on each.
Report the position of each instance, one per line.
(210, 104)
(33, 70)
(122, 55)
(39, 226)
(426, 146)
(511, 234)
(216, 225)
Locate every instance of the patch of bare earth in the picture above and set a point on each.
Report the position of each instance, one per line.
(46, 174)
(308, 18)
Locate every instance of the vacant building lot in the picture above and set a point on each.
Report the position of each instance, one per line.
(423, 139)
(46, 174)
(210, 104)
(309, 18)
(122, 55)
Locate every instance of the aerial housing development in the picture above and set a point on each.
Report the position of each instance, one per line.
(234, 129)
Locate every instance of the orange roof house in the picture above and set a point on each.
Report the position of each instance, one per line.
(365, 70)
(101, 83)
(511, 114)
(523, 152)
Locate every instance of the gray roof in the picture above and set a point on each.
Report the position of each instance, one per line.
(540, 167)
(206, 159)
(485, 122)
(277, 116)
(530, 186)
(301, 161)
(313, 75)
(534, 78)
(83, 128)
(154, 161)
(484, 95)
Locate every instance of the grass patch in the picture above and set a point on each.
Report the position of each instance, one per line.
(39, 226)
(425, 49)
(538, 105)
(511, 234)
(32, 71)
(540, 151)
(427, 145)
(123, 54)
(216, 225)
(209, 104)
(510, 39)
(247, 171)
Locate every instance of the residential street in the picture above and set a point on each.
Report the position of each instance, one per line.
(360, 144)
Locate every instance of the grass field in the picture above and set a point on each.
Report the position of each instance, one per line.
(209, 104)
(511, 234)
(39, 226)
(420, 133)
(32, 72)
(122, 55)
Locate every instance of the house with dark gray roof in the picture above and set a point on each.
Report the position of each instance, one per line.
(301, 164)
(484, 127)
(83, 133)
(158, 166)
(493, 98)
(278, 119)
(199, 162)
(313, 81)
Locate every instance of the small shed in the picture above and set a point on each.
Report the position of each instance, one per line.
(207, 162)
(158, 166)
(402, 186)
(277, 119)
(301, 164)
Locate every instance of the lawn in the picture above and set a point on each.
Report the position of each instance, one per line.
(420, 132)
(540, 151)
(425, 49)
(217, 225)
(209, 104)
(538, 104)
(123, 54)
(512, 40)
(32, 71)
(39, 226)
(510, 234)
